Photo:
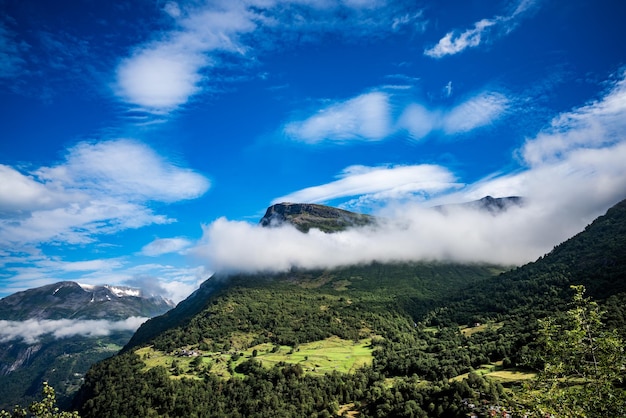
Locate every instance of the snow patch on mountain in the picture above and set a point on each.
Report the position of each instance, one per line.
(124, 291)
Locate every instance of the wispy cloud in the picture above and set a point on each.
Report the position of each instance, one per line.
(100, 188)
(570, 173)
(372, 117)
(596, 125)
(11, 52)
(378, 183)
(165, 73)
(453, 42)
(365, 117)
(474, 113)
(164, 246)
(30, 331)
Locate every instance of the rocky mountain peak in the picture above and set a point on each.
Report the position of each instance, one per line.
(305, 216)
(69, 299)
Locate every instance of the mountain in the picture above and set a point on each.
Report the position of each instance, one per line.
(56, 332)
(305, 216)
(374, 340)
(71, 300)
(490, 204)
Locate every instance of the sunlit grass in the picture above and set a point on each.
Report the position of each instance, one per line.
(496, 372)
(319, 357)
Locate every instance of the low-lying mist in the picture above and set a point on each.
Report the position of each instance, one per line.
(31, 330)
(559, 201)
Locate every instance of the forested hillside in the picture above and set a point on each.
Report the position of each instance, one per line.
(423, 339)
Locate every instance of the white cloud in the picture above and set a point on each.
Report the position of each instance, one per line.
(21, 193)
(453, 43)
(125, 168)
(158, 81)
(101, 265)
(31, 330)
(573, 171)
(100, 188)
(172, 9)
(597, 124)
(476, 112)
(379, 183)
(174, 283)
(369, 117)
(164, 246)
(365, 117)
(163, 74)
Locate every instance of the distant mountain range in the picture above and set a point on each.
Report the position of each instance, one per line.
(71, 300)
(55, 332)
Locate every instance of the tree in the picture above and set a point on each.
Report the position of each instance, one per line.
(46, 408)
(583, 365)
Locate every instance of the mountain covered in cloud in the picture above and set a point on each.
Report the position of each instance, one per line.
(490, 204)
(55, 332)
(305, 216)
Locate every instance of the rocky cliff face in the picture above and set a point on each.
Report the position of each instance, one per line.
(305, 216)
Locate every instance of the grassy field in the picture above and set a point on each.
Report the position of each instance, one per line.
(497, 373)
(331, 354)
(469, 331)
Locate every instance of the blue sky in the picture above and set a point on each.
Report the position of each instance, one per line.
(143, 140)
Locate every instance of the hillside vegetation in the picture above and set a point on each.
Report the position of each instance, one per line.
(420, 339)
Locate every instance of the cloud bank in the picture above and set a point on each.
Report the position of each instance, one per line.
(570, 173)
(30, 331)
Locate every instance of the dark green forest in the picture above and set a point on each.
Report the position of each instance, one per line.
(441, 340)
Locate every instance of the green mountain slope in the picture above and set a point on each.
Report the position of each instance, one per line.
(595, 258)
(378, 340)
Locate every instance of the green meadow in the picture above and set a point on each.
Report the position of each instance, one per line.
(319, 357)
(496, 372)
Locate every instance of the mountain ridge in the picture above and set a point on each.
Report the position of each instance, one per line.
(305, 216)
(69, 299)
